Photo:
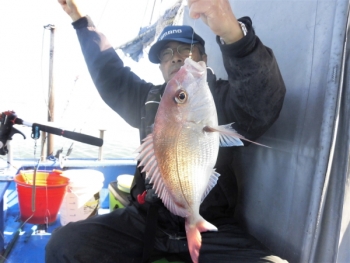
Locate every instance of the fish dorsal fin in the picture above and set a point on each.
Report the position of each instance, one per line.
(212, 182)
(150, 167)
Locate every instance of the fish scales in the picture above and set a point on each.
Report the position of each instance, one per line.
(183, 160)
(194, 156)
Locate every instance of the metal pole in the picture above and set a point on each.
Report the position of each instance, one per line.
(9, 155)
(100, 154)
(51, 110)
(43, 155)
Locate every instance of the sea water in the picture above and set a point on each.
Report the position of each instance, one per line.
(118, 143)
(120, 140)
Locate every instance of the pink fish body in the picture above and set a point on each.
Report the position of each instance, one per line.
(180, 154)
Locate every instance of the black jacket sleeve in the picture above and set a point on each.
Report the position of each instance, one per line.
(118, 86)
(254, 93)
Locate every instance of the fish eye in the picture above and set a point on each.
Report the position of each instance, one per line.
(181, 96)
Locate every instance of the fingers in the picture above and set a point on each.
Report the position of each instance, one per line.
(62, 2)
(218, 15)
(198, 8)
(214, 9)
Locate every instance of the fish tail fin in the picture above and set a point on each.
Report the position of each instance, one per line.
(194, 238)
(204, 226)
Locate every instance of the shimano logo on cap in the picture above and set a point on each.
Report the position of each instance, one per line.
(175, 31)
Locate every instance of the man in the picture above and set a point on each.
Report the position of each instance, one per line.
(251, 98)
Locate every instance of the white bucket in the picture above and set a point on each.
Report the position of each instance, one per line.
(124, 182)
(82, 198)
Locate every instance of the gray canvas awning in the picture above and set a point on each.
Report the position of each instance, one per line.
(295, 197)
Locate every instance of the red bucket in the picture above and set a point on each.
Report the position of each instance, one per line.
(50, 189)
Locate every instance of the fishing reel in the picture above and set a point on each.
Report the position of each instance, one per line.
(7, 120)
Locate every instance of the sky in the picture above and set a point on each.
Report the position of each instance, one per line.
(24, 58)
(25, 43)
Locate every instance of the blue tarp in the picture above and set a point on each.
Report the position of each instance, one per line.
(135, 48)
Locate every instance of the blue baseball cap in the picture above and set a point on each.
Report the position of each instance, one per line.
(183, 34)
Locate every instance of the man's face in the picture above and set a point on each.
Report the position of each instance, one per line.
(171, 64)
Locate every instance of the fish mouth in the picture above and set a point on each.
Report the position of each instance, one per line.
(174, 71)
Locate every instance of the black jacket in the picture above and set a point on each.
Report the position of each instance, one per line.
(251, 98)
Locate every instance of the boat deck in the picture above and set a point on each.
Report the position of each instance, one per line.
(25, 242)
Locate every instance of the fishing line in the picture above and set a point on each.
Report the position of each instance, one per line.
(18, 231)
(78, 75)
(33, 199)
(103, 11)
(69, 96)
(89, 107)
(47, 211)
(34, 181)
(144, 14)
(7, 162)
(42, 83)
(194, 25)
(154, 4)
(64, 112)
(34, 186)
(18, 168)
(48, 95)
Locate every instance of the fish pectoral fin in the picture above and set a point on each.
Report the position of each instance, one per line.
(229, 136)
(212, 182)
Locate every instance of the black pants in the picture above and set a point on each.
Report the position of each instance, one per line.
(118, 237)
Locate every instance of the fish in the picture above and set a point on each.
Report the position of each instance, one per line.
(180, 154)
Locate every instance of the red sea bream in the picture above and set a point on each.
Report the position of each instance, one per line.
(180, 154)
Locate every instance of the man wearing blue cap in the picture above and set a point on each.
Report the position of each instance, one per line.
(251, 98)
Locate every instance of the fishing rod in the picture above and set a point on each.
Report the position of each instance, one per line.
(9, 118)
